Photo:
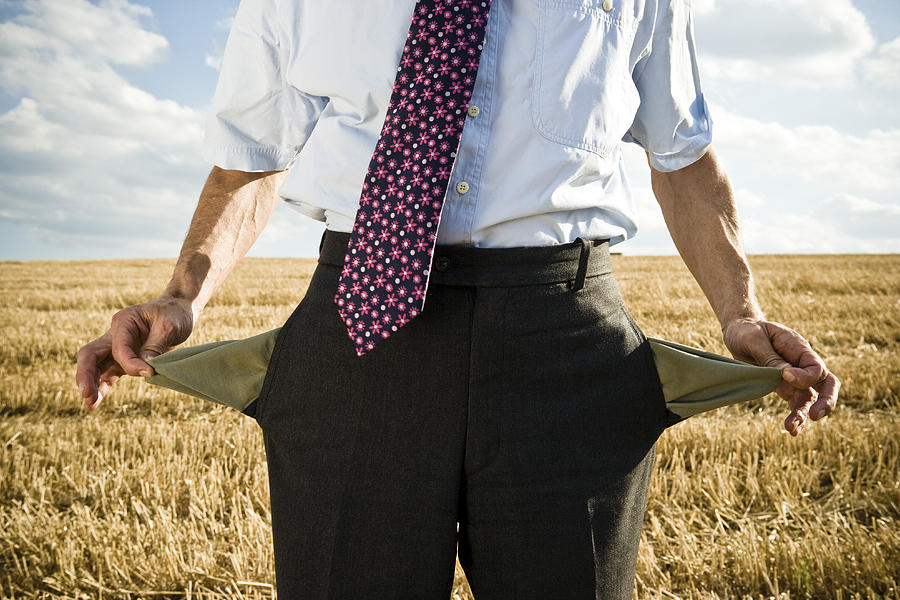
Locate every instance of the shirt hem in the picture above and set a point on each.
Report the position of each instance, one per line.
(251, 159)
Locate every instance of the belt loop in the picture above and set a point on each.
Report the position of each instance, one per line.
(582, 264)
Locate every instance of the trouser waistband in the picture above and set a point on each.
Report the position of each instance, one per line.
(498, 267)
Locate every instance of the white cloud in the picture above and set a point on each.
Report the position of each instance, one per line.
(792, 233)
(112, 163)
(794, 42)
(838, 224)
(226, 23)
(110, 31)
(745, 199)
(214, 62)
(798, 189)
(883, 69)
(813, 153)
(877, 223)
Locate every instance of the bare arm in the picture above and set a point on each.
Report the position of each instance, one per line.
(232, 211)
(697, 203)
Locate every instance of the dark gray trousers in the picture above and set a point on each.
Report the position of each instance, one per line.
(522, 404)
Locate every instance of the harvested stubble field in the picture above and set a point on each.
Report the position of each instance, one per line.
(162, 495)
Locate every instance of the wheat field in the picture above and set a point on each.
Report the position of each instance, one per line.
(159, 495)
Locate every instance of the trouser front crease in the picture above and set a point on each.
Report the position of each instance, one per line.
(522, 407)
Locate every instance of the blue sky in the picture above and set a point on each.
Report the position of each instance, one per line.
(102, 105)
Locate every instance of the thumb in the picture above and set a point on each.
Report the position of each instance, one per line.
(764, 354)
(157, 341)
(760, 349)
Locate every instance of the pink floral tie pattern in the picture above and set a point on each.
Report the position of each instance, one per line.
(386, 270)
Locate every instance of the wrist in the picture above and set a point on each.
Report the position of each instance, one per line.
(187, 298)
(188, 279)
(748, 313)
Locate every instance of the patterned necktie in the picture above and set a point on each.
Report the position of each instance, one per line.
(388, 261)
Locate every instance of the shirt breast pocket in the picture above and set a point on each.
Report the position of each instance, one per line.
(582, 94)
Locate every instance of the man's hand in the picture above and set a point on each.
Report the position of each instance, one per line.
(232, 211)
(809, 388)
(136, 334)
(698, 205)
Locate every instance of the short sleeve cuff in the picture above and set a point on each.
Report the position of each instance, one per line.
(688, 155)
(249, 158)
(687, 143)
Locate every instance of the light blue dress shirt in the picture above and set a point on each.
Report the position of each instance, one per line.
(305, 85)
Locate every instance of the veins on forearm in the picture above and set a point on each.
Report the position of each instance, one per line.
(699, 209)
(232, 211)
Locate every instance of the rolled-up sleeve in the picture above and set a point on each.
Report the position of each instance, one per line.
(257, 121)
(672, 122)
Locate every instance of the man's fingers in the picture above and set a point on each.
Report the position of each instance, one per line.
(786, 392)
(157, 340)
(106, 383)
(803, 367)
(110, 372)
(92, 402)
(812, 403)
(136, 334)
(90, 360)
(793, 424)
(126, 334)
(86, 373)
(111, 375)
(762, 352)
(800, 403)
(805, 376)
(808, 387)
(108, 378)
(827, 400)
(93, 392)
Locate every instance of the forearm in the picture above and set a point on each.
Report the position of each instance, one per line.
(697, 203)
(231, 212)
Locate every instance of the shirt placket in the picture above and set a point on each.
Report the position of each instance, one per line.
(468, 168)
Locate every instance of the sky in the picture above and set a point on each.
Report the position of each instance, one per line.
(102, 106)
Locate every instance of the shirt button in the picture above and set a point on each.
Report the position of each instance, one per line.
(474, 111)
(462, 187)
(442, 263)
(607, 5)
